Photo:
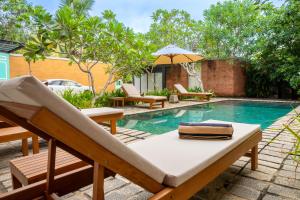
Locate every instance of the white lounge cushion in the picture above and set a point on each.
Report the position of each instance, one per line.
(30, 91)
(182, 159)
(130, 90)
(92, 112)
(180, 88)
(150, 97)
(156, 97)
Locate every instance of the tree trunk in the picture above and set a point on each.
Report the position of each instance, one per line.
(92, 83)
(29, 68)
(193, 72)
(108, 82)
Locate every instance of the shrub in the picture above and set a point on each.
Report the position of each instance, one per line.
(84, 99)
(164, 92)
(195, 89)
(104, 100)
(79, 100)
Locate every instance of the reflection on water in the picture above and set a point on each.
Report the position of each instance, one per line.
(159, 122)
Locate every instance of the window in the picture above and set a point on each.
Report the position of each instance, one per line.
(70, 83)
(54, 82)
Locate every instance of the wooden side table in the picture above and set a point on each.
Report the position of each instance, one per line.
(117, 100)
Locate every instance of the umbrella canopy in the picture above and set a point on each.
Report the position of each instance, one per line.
(172, 54)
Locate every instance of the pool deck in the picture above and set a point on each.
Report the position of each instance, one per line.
(277, 177)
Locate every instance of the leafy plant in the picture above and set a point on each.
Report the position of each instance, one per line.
(79, 100)
(104, 99)
(85, 99)
(195, 89)
(296, 134)
(164, 92)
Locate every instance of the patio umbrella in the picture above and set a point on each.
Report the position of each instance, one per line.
(172, 54)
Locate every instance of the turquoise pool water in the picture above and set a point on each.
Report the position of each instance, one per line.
(158, 122)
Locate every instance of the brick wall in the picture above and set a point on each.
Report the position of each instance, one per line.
(224, 77)
(53, 68)
(176, 74)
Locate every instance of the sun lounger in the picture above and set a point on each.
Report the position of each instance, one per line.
(18, 133)
(165, 165)
(183, 92)
(132, 94)
(105, 114)
(33, 168)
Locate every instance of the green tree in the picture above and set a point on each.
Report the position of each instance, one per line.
(229, 28)
(15, 20)
(69, 35)
(276, 57)
(79, 6)
(126, 53)
(86, 41)
(176, 27)
(173, 27)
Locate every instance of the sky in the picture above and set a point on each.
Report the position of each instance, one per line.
(137, 13)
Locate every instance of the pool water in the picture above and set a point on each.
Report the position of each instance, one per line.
(252, 112)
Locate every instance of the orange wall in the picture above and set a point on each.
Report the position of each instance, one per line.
(53, 68)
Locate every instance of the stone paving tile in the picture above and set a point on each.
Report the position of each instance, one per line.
(289, 174)
(228, 196)
(144, 195)
(284, 191)
(263, 169)
(289, 182)
(257, 175)
(251, 183)
(273, 197)
(124, 192)
(268, 152)
(269, 164)
(270, 158)
(244, 192)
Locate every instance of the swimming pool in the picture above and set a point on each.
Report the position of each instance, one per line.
(252, 112)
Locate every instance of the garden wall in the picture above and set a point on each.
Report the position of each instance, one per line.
(176, 74)
(224, 77)
(52, 68)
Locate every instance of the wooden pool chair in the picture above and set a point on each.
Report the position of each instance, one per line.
(104, 114)
(168, 167)
(132, 94)
(11, 132)
(182, 92)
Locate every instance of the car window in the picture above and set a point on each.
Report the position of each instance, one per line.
(54, 83)
(70, 83)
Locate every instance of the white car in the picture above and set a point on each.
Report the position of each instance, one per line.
(60, 85)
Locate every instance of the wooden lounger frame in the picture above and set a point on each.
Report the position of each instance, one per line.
(59, 133)
(146, 100)
(18, 133)
(9, 131)
(112, 118)
(202, 96)
(143, 99)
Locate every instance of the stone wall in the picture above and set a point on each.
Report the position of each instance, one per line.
(224, 77)
(176, 74)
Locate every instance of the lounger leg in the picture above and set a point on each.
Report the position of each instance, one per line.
(254, 158)
(98, 183)
(163, 104)
(113, 126)
(35, 144)
(51, 167)
(151, 105)
(15, 182)
(25, 147)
